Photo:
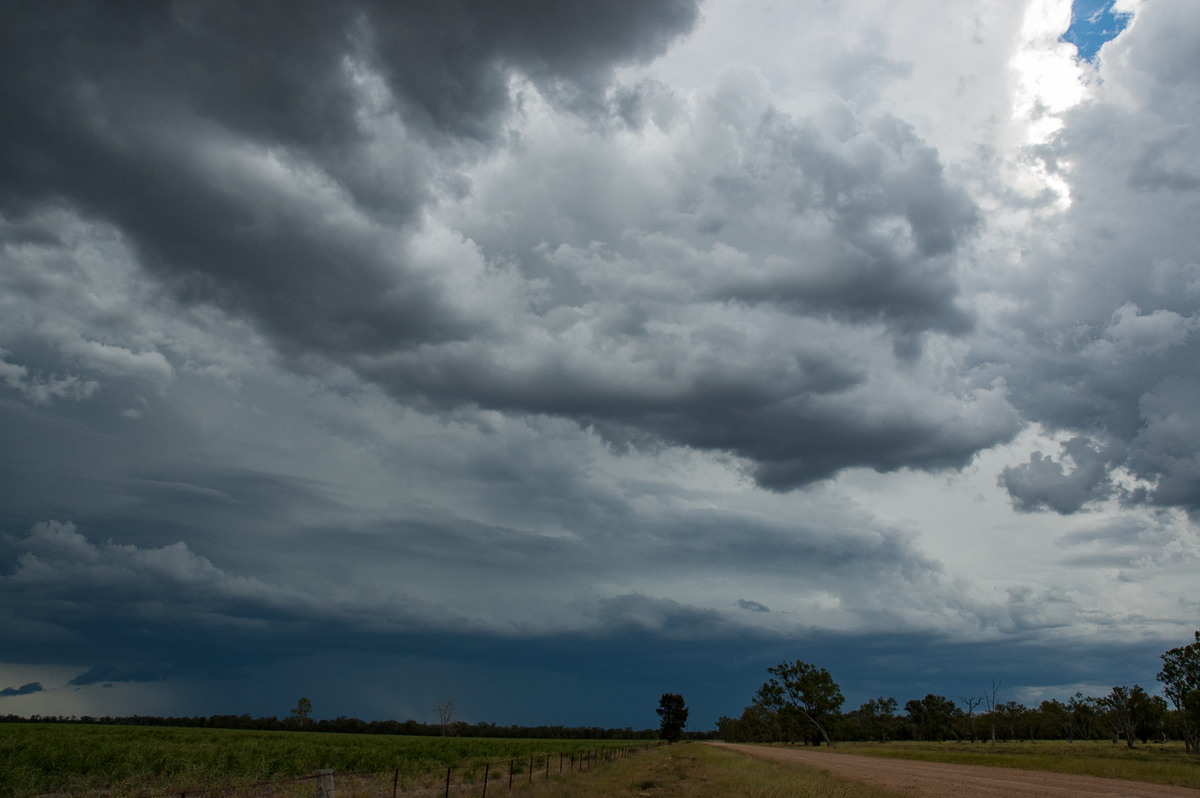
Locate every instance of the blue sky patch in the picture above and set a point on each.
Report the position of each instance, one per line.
(1093, 22)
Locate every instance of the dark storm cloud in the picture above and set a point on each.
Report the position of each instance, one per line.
(158, 611)
(894, 217)
(25, 689)
(171, 616)
(427, 333)
(792, 414)
(277, 162)
(1043, 483)
(166, 614)
(724, 299)
(175, 122)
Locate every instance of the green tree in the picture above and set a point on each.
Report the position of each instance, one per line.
(1133, 713)
(756, 725)
(759, 725)
(1012, 715)
(1180, 679)
(731, 730)
(1083, 714)
(1058, 716)
(1150, 718)
(932, 717)
(800, 690)
(878, 718)
(674, 714)
(300, 715)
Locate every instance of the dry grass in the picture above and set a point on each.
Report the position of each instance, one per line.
(696, 770)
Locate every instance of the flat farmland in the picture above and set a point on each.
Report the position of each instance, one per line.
(96, 760)
(136, 760)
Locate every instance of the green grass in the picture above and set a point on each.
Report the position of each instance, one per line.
(1156, 763)
(130, 760)
(696, 770)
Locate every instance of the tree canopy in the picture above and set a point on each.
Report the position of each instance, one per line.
(802, 702)
(1180, 679)
(674, 715)
(300, 715)
(804, 690)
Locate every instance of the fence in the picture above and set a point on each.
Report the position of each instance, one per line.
(471, 779)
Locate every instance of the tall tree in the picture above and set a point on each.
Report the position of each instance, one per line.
(674, 714)
(972, 702)
(1127, 711)
(447, 712)
(932, 717)
(300, 715)
(1180, 679)
(799, 688)
(990, 700)
(1083, 714)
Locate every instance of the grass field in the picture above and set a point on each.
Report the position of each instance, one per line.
(39, 759)
(131, 760)
(1165, 763)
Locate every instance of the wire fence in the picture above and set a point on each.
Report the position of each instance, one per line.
(468, 779)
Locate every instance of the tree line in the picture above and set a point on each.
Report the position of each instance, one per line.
(346, 725)
(802, 703)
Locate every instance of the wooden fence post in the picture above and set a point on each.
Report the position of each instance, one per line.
(324, 784)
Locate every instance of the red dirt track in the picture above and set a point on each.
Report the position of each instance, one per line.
(943, 780)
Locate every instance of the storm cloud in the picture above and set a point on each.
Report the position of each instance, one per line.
(25, 689)
(258, 196)
(532, 341)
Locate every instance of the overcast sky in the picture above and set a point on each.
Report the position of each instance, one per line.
(552, 356)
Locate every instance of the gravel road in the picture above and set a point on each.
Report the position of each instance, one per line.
(942, 780)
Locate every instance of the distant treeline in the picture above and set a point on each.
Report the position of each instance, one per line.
(802, 703)
(1127, 714)
(344, 725)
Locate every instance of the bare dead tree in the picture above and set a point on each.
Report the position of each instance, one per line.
(447, 712)
(990, 699)
(971, 702)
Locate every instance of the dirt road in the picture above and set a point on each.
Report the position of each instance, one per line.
(942, 780)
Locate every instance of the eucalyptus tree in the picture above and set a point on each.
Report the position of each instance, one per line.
(1180, 679)
(798, 690)
(300, 716)
(673, 714)
(1133, 713)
